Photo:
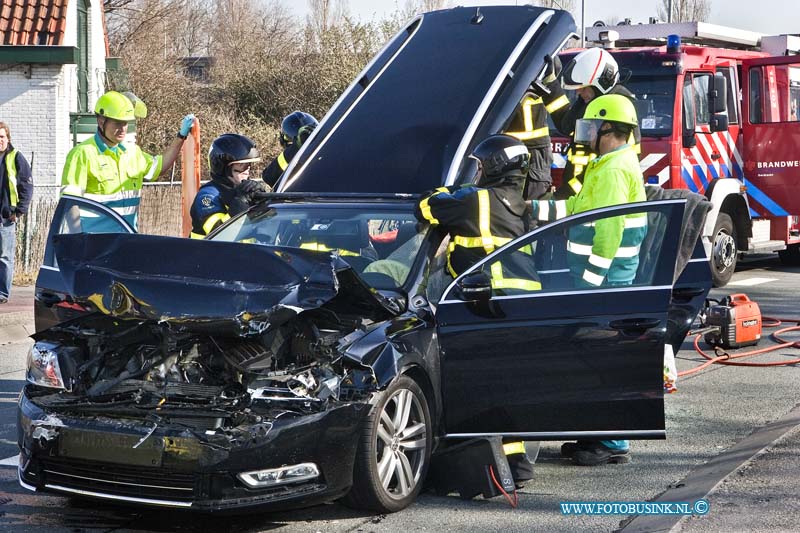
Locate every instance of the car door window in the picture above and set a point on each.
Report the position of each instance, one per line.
(79, 215)
(564, 256)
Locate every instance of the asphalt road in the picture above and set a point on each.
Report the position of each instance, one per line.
(724, 420)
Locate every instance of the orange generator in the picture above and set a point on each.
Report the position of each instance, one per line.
(738, 319)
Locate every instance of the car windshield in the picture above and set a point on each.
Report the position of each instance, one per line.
(379, 243)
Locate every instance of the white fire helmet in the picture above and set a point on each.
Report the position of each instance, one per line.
(591, 68)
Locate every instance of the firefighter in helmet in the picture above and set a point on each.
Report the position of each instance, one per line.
(591, 73)
(482, 217)
(605, 253)
(295, 129)
(230, 191)
(529, 124)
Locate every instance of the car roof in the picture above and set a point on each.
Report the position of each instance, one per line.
(447, 80)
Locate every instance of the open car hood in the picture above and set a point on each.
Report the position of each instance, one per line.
(209, 285)
(445, 82)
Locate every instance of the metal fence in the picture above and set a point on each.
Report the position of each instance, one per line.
(159, 214)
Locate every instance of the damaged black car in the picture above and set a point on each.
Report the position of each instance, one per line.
(315, 347)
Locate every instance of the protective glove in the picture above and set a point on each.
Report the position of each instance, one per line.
(553, 70)
(304, 133)
(186, 125)
(244, 194)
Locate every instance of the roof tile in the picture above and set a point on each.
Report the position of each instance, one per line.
(22, 22)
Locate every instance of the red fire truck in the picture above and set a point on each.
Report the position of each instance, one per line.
(718, 111)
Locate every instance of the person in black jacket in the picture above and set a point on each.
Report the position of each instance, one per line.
(295, 129)
(529, 124)
(16, 191)
(480, 218)
(230, 190)
(591, 73)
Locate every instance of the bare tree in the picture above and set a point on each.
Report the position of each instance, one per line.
(324, 14)
(566, 5)
(685, 10)
(414, 7)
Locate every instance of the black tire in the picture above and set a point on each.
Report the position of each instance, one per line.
(382, 457)
(724, 250)
(791, 255)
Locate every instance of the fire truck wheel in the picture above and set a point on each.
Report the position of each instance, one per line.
(791, 255)
(723, 251)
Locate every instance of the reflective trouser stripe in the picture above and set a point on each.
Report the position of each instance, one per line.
(557, 104)
(282, 162)
(586, 249)
(425, 208)
(319, 247)
(212, 221)
(512, 448)
(11, 172)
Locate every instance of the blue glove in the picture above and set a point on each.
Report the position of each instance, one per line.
(186, 125)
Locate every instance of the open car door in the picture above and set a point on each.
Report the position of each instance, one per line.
(52, 303)
(771, 129)
(562, 362)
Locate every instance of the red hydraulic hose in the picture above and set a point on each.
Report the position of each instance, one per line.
(724, 358)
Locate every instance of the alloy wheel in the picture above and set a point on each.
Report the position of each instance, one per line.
(401, 443)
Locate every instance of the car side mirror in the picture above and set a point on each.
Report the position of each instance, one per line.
(718, 122)
(475, 287)
(718, 95)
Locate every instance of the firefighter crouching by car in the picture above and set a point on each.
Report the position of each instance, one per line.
(482, 218)
(591, 73)
(605, 253)
(529, 124)
(296, 127)
(230, 190)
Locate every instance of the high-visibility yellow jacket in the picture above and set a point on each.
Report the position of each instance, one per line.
(112, 176)
(607, 248)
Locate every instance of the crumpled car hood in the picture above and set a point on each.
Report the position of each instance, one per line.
(218, 285)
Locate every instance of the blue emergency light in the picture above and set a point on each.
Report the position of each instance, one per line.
(673, 44)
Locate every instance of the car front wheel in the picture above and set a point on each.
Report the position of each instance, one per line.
(394, 450)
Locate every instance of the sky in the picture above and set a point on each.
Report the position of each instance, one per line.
(764, 16)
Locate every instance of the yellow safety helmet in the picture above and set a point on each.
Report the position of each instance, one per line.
(120, 106)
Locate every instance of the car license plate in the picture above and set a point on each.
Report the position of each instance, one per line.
(110, 447)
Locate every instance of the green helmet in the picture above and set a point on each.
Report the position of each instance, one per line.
(612, 108)
(119, 106)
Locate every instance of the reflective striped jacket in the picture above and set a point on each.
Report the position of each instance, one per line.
(479, 221)
(112, 177)
(608, 248)
(529, 123)
(273, 172)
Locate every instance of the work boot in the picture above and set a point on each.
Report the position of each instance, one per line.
(597, 454)
(568, 449)
(521, 468)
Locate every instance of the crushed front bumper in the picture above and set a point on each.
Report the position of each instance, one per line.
(171, 465)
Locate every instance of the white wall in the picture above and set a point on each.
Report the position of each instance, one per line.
(36, 111)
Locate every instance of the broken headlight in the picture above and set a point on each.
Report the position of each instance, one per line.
(280, 476)
(43, 367)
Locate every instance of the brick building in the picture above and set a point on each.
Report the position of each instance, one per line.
(53, 56)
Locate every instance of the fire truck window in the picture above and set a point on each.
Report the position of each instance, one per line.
(700, 83)
(756, 116)
(688, 105)
(655, 97)
(733, 91)
(793, 92)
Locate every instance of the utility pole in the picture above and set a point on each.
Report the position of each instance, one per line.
(669, 11)
(583, 23)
